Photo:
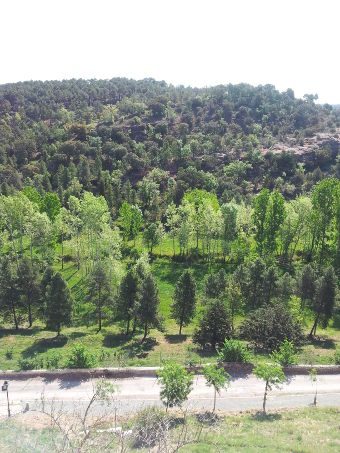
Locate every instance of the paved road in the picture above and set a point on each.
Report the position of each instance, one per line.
(134, 394)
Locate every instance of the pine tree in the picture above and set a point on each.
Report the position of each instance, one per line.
(58, 304)
(184, 301)
(99, 290)
(127, 302)
(149, 301)
(215, 325)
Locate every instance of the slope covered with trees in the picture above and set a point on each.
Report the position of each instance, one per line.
(232, 191)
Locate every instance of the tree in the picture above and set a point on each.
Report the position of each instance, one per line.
(324, 300)
(275, 214)
(273, 376)
(9, 291)
(58, 304)
(99, 290)
(260, 204)
(184, 300)
(324, 207)
(152, 235)
(216, 377)
(176, 384)
(128, 299)
(51, 205)
(306, 284)
(29, 287)
(229, 229)
(131, 220)
(214, 326)
(268, 326)
(215, 284)
(148, 306)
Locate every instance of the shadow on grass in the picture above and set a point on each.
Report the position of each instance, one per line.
(75, 335)
(140, 350)
(115, 340)
(324, 343)
(44, 345)
(261, 417)
(23, 332)
(174, 339)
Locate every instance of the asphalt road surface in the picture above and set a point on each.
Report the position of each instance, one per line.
(134, 394)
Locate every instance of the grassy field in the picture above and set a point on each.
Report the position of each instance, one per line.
(288, 431)
(112, 348)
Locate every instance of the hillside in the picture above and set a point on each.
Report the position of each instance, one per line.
(105, 134)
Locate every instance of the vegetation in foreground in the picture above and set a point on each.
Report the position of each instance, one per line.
(296, 430)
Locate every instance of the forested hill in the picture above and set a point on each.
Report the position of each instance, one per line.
(105, 136)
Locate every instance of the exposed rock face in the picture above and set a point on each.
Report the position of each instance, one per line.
(311, 146)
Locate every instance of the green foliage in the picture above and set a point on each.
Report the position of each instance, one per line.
(214, 327)
(267, 327)
(234, 351)
(216, 377)
(80, 357)
(175, 383)
(184, 301)
(285, 354)
(271, 373)
(337, 357)
(58, 304)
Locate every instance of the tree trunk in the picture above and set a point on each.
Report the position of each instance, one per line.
(62, 251)
(15, 319)
(145, 331)
(265, 398)
(180, 328)
(313, 330)
(127, 327)
(214, 400)
(30, 321)
(99, 320)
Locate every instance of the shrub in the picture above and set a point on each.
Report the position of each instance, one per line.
(234, 351)
(150, 428)
(80, 357)
(31, 363)
(268, 326)
(52, 360)
(337, 357)
(9, 354)
(285, 355)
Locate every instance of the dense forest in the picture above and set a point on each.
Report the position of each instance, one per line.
(136, 205)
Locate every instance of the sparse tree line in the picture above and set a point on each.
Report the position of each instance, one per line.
(283, 256)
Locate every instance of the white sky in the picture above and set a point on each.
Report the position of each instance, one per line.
(290, 44)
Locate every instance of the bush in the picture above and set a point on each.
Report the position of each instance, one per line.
(9, 354)
(268, 326)
(150, 428)
(285, 355)
(52, 360)
(337, 357)
(234, 351)
(31, 363)
(80, 357)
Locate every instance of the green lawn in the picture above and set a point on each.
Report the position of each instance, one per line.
(113, 348)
